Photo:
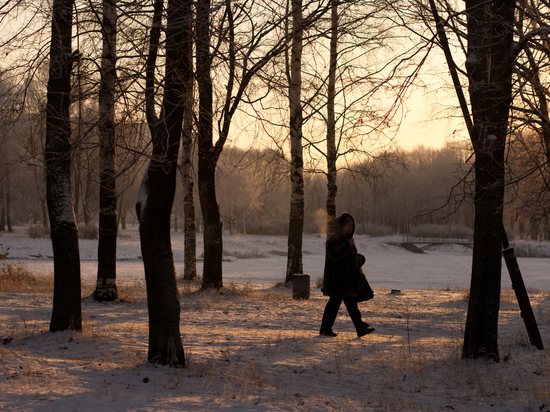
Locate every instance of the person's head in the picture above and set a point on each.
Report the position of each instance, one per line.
(346, 225)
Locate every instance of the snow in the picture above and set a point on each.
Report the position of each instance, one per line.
(255, 348)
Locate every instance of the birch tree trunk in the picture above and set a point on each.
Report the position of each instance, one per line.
(106, 289)
(489, 65)
(67, 311)
(186, 167)
(332, 189)
(296, 224)
(158, 188)
(208, 157)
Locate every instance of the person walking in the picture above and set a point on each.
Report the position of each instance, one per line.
(343, 279)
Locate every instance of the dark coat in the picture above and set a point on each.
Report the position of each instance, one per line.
(341, 275)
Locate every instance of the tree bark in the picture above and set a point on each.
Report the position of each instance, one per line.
(489, 65)
(8, 204)
(188, 187)
(2, 206)
(67, 311)
(208, 157)
(296, 224)
(332, 188)
(157, 195)
(106, 289)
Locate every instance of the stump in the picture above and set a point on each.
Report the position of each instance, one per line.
(300, 286)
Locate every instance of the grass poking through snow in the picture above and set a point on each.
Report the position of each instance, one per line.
(258, 349)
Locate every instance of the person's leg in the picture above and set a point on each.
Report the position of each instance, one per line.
(354, 313)
(329, 316)
(361, 327)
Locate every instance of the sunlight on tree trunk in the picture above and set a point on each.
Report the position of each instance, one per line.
(67, 310)
(296, 224)
(332, 189)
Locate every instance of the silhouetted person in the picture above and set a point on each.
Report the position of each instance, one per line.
(343, 279)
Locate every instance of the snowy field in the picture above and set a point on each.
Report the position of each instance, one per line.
(261, 260)
(254, 348)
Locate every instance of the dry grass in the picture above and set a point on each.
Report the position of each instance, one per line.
(19, 279)
(240, 347)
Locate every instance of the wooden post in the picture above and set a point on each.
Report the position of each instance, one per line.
(521, 293)
(300, 286)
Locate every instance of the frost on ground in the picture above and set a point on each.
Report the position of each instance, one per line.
(258, 349)
(254, 348)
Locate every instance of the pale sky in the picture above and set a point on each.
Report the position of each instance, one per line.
(428, 120)
(431, 120)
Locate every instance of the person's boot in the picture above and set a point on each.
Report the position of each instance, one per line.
(365, 331)
(327, 333)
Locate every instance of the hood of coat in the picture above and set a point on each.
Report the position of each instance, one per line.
(340, 222)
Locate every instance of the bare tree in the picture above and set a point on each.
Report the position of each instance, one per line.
(296, 223)
(106, 289)
(208, 153)
(186, 168)
(158, 188)
(241, 58)
(67, 311)
(332, 188)
(489, 65)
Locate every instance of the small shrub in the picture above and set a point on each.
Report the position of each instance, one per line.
(531, 249)
(88, 231)
(244, 290)
(36, 231)
(245, 254)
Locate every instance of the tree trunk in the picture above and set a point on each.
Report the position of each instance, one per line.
(157, 194)
(2, 206)
(86, 214)
(8, 204)
(213, 241)
(67, 311)
(296, 224)
(208, 157)
(489, 64)
(332, 189)
(106, 289)
(76, 197)
(188, 187)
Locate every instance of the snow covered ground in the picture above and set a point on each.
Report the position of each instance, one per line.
(254, 348)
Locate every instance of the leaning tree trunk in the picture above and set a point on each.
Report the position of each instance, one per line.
(213, 241)
(332, 189)
(296, 224)
(189, 221)
(67, 310)
(157, 194)
(490, 65)
(106, 289)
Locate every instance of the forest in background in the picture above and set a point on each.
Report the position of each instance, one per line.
(391, 194)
